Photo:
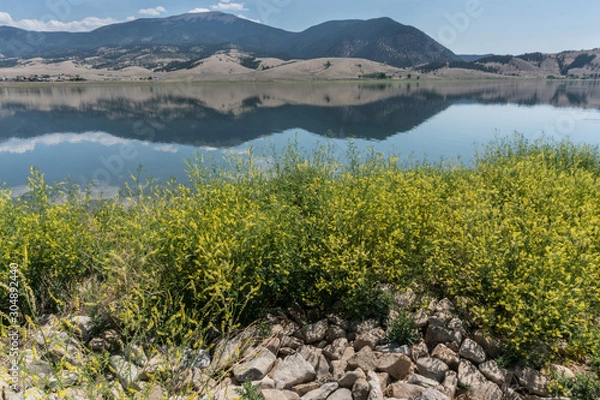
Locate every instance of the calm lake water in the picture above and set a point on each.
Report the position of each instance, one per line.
(102, 133)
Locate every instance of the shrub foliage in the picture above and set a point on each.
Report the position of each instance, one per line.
(517, 233)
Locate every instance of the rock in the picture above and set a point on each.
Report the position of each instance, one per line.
(297, 313)
(470, 350)
(341, 394)
(109, 340)
(404, 301)
(272, 344)
(336, 349)
(154, 392)
(256, 367)
(449, 357)
(432, 368)
(323, 369)
(339, 321)
(347, 381)
(127, 373)
(486, 391)
(291, 342)
(495, 374)
(450, 384)
(334, 332)
(310, 354)
(80, 394)
(436, 321)
(313, 333)
(364, 326)
(420, 380)
(438, 334)
(455, 324)
(375, 390)
(293, 370)
(32, 394)
(404, 390)
(432, 394)
(65, 379)
(533, 381)
(399, 366)
(304, 388)
(195, 359)
(136, 355)
(156, 364)
(227, 352)
(419, 318)
(384, 379)
(365, 359)
(274, 394)
(561, 371)
(371, 339)
(419, 350)
(83, 326)
(360, 389)
(60, 346)
(338, 369)
(321, 393)
(491, 346)
(469, 376)
(267, 383)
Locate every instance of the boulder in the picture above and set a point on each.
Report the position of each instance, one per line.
(321, 393)
(494, 373)
(399, 366)
(313, 333)
(365, 359)
(348, 379)
(341, 394)
(470, 350)
(469, 376)
(432, 368)
(375, 390)
(445, 354)
(293, 370)
(256, 367)
(360, 389)
(533, 381)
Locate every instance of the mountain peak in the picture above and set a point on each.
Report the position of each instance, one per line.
(195, 36)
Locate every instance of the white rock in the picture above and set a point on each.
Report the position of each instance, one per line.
(292, 371)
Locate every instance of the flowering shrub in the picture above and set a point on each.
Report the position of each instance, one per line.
(517, 233)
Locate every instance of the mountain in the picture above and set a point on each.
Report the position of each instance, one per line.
(580, 64)
(473, 57)
(191, 37)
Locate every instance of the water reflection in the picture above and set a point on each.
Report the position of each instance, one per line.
(228, 115)
(103, 133)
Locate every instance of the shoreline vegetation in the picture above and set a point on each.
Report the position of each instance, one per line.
(513, 240)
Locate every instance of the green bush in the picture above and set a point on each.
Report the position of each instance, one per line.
(517, 232)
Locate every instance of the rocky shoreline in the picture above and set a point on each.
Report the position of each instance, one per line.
(284, 357)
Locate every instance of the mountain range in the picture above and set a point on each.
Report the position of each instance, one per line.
(181, 40)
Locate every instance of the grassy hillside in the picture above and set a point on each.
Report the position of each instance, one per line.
(514, 239)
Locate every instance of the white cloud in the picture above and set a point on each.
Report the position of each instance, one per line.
(152, 11)
(86, 24)
(199, 10)
(166, 148)
(130, 18)
(21, 146)
(228, 6)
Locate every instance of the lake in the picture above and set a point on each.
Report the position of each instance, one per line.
(102, 133)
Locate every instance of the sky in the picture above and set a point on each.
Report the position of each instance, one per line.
(464, 26)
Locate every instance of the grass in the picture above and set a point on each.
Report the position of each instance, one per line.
(518, 233)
